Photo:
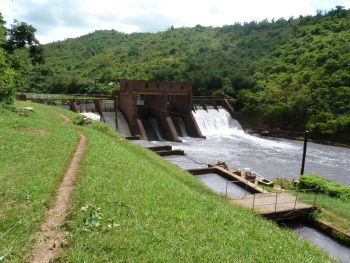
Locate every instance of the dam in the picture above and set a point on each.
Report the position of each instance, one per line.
(225, 140)
(167, 111)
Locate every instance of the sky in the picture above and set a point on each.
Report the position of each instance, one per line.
(61, 19)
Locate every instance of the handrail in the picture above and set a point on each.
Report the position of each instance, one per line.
(278, 195)
(30, 95)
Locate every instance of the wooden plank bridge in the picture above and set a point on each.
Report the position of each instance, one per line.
(277, 206)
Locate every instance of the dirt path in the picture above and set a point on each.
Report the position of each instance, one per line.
(49, 239)
(65, 118)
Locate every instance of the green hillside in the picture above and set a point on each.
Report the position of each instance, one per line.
(289, 74)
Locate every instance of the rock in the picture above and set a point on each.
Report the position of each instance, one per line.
(87, 121)
(250, 176)
(220, 164)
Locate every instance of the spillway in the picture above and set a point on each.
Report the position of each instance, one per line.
(123, 127)
(180, 126)
(152, 129)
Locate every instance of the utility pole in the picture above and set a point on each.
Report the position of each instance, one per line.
(304, 152)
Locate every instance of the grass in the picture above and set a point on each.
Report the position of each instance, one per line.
(334, 210)
(129, 206)
(34, 152)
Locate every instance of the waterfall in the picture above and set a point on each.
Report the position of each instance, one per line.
(123, 127)
(214, 122)
(219, 123)
(180, 126)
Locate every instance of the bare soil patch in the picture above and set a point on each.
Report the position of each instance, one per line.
(34, 131)
(65, 118)
(49, 241)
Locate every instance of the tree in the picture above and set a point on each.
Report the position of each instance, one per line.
(22, 35)
(6, 73)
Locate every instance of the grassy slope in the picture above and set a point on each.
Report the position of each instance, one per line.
(131, 206)
(137, 207)
(34, 152)
(334, 210)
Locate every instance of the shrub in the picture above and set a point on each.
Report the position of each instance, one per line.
(323, 185)
(7, 90)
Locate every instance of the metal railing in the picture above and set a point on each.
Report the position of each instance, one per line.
(46, 96)
(273, 199)
(278, 194)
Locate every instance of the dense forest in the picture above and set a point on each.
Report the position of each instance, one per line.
(290, 74)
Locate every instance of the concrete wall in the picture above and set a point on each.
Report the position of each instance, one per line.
(161, 100)
(127, 105)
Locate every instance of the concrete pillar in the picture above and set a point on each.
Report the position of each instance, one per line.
(158, 105)
(191, 126)
(127, 105)
(98, 106)
(73, 105)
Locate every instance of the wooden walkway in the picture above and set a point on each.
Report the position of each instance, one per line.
(277, 206)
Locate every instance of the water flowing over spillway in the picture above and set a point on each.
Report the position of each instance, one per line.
(152, 129)
(180, 126)
(123, 127)
(269, 157)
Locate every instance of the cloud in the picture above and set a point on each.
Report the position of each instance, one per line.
(60, 19)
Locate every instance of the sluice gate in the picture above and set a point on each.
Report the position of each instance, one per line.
(158, 110)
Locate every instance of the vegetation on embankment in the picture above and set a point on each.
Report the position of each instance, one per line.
(332, 199)
(34, 152)
(129, 205)
(288, 74)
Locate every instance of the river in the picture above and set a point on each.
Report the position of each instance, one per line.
(269, 157)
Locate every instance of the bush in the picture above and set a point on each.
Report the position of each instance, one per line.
(7, 89)
(323, 185)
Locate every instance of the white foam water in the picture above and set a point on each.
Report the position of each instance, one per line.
(91, 115)
(219, 123)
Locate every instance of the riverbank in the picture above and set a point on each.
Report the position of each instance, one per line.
(129, 205)
(250, 126)
(333, 212)
(276, 134)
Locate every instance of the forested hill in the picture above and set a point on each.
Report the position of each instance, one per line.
(284, 73)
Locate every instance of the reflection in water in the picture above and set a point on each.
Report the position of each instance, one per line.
(220, 185)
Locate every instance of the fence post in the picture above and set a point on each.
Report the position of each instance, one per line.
(315, 199)
(296, 199)
(226, 187)
(304, 153)
(253, 201)
(276, 202)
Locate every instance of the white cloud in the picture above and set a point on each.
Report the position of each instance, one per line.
(60, 19)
